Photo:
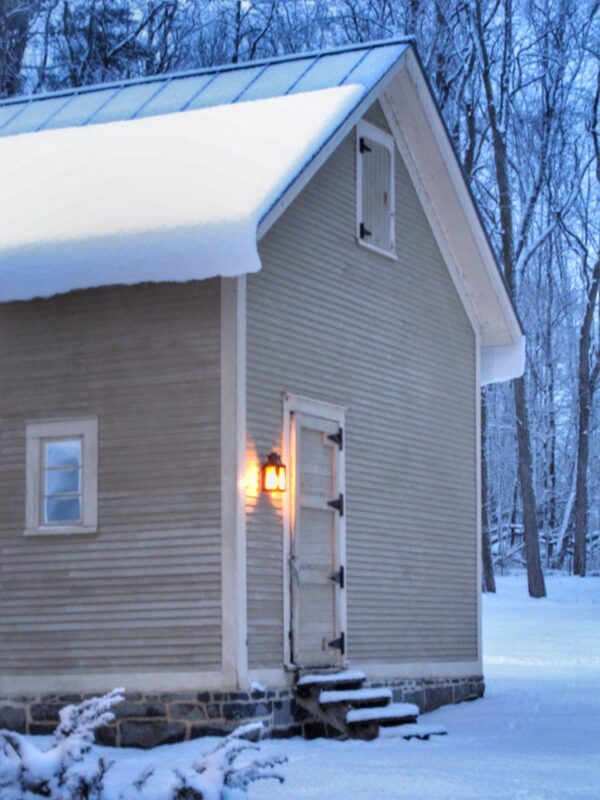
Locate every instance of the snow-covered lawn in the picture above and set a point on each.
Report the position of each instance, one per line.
(535, 735)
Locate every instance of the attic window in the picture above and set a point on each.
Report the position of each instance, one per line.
(375, 205)
(62, 470)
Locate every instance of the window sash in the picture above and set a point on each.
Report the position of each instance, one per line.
(57, 499)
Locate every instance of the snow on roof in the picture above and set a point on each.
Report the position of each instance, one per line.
(173, 184)
(173, 197)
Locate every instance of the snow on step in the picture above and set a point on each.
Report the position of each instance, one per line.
(347, 676)
(393, 711)
(414, 730)
(354, 696)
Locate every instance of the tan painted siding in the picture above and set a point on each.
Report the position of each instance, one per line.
(143, 594)
(389, 339)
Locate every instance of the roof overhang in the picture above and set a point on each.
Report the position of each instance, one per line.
(187, 195)
(176, 197)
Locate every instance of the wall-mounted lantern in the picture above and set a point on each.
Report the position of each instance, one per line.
(273, 474)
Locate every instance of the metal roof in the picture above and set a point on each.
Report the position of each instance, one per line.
(365, 65)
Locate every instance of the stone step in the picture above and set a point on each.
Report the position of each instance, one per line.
(415, 730)
(392, 714)
(357, 698)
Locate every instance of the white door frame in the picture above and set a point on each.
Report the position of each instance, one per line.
(295, 404)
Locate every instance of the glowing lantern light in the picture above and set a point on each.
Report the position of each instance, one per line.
(273, 474)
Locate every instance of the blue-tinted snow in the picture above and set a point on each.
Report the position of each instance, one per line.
(534, 736)
(165, 95)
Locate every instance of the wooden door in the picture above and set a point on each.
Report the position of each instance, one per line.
(316, 569)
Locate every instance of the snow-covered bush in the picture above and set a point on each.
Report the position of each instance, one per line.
(70, 769)
(63, 772)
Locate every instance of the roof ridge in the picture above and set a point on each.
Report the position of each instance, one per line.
(227, 67)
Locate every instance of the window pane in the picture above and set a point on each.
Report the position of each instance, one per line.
(62, 510)
(66, 453)
(59, 481)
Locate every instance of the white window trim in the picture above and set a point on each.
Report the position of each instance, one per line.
(374, 133)
(85, 428)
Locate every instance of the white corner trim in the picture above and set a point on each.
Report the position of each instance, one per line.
(478, 457)
(105, 681)
(233, 477)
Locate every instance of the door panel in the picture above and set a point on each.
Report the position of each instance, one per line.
(315, 550)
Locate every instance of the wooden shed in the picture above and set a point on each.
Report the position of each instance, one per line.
(202, 275)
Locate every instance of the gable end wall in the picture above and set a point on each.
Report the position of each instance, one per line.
(390, 340)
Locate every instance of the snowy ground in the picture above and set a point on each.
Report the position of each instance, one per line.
(535, 735)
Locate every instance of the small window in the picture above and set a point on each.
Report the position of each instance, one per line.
(62, 470)
(375, 189)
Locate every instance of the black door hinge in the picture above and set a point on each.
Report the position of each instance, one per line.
(337, 438)
(363, 146)
(338, 504)
(339, 644)
(339, 577)
(364, 232)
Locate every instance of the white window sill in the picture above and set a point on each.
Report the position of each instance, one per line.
(60, 530)
(391, 254)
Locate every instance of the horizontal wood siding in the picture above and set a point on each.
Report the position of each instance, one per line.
(389, 339)
(143, 594)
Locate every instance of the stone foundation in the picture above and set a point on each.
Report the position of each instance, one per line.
(147, 720)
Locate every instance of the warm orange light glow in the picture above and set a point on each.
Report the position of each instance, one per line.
(273, 477)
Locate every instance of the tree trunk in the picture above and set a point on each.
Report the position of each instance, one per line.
(488, 580)
(587, 380)
(535, 576)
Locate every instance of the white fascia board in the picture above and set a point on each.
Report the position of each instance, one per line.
(433, 166)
